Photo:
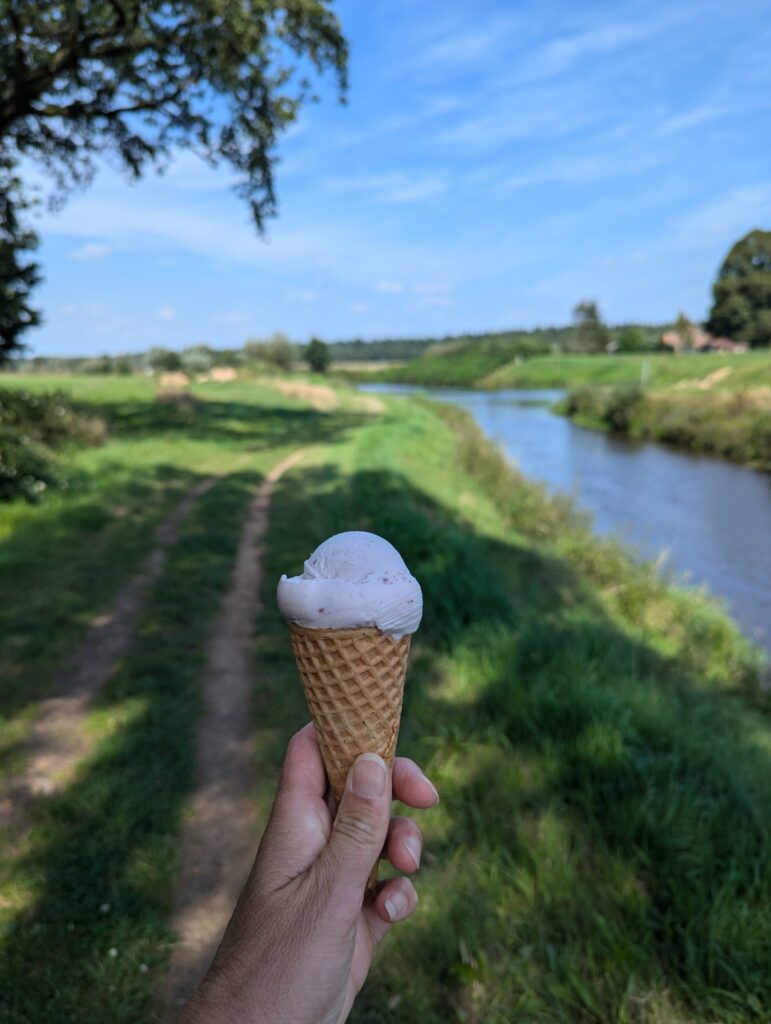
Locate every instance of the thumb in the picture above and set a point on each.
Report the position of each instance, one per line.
(361, 825)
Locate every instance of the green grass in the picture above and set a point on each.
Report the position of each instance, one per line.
(477, 365)
(752, 369)
(597, 737)
(600, 739)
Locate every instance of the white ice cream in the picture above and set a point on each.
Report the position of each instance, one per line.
(353, 579)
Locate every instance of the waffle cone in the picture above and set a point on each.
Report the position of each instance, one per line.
(354, 685)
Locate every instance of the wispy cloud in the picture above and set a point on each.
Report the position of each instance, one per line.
(394, 188)
(166, 313)
(302, 295)
(559, 56)
(389, 287)
(677, 123)
(725, 216)
(90, 251)
(460, 46)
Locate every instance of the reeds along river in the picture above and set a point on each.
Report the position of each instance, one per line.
(710, 518)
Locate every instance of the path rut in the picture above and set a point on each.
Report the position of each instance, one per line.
(218, 838)
(58, 739)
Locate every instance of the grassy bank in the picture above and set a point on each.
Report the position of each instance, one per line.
(478, 367)
(601, 764)
(599, 738)
(734, 424)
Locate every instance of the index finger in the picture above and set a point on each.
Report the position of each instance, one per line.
(411, 786)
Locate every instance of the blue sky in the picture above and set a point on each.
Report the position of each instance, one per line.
(496, 162)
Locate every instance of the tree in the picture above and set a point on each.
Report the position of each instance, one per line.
(163, 360)
(141, 78)
(18, 274)
(685, 331)
(278, 350)
(196, 359)
(589, 333)
(630, 339)
(317, 356)
(742, 292)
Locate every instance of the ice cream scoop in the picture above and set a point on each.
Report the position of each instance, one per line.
(354, 579)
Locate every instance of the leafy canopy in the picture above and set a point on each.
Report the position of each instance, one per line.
(742, 291)
(317, 355)
(589, 333)
(137, 79)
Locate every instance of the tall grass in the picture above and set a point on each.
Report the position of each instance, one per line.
(735, 424)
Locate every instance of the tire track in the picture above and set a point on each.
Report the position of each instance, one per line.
(218, 838)
(58, 741)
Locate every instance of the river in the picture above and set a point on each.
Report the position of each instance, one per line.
(710, 518)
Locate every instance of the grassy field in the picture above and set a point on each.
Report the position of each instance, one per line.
(600, 738)
(481, 367)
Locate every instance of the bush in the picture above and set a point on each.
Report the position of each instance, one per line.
(611, 407)
(277, 350)
(32, 427)
(317, 356)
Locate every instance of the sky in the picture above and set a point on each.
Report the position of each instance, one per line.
(496, 163)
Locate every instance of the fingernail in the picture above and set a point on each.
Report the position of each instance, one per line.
(414, 847)
(369, 776)
(426, 779)
(396, 905)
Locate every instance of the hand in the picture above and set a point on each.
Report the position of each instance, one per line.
(300, 943)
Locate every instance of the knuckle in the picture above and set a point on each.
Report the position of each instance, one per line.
(358, 826)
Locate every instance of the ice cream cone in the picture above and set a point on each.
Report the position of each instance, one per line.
(354, 685)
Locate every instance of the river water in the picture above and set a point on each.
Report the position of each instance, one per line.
(710, 518)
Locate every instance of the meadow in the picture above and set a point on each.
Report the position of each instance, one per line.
(483, 365)
(600, 737)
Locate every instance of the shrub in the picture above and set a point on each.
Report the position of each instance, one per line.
(32, 427)
(611, 407)
(317, 356)
(277, 350)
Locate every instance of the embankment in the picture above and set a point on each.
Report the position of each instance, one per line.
(734, 424)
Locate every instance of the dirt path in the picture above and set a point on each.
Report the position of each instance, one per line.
(218, 839)
(58, 740)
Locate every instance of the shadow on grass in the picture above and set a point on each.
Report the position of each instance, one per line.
(605, 813)
(62, 563)
(103, 855)
(259, 426)
(600, 842)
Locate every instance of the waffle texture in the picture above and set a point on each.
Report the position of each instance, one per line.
(354, 685)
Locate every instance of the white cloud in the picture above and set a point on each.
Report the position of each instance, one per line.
(166, 313)
(691, 118)
(560, 55)
(358, 307)
(91, 251)
(459, 47)
(389, 287)
(394, 188)
(302, 295)
(735, 213)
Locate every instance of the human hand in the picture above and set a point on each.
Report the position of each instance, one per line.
(300, 942)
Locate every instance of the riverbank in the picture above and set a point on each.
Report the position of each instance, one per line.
(599, 737)
(493, 368)
(735, 424)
